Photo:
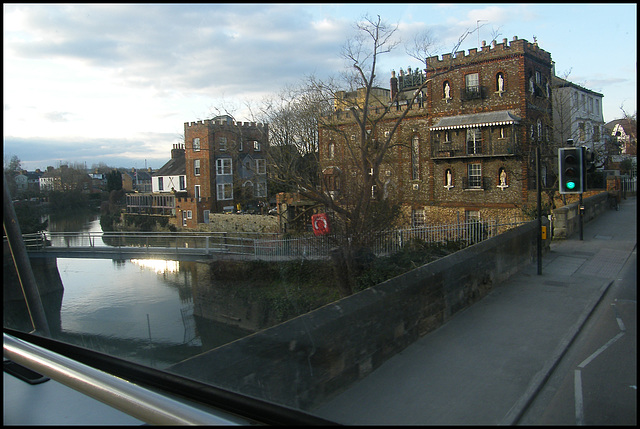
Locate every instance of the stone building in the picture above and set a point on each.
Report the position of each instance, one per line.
(466, 148)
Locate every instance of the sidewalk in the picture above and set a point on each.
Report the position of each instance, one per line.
(487, 363)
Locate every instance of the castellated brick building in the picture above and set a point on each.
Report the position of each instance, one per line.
(221, 167)
(466, 149)
(225, 166)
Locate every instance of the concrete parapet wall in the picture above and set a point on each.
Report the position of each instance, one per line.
(309, 359)
(566, 219)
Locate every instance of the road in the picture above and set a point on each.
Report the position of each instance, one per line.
(596, 381)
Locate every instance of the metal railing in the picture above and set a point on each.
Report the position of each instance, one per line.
(265, 246)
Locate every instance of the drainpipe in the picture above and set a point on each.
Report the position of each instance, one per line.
(23, 265)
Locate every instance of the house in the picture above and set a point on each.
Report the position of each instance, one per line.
(167, 186)
(137, 180)
(466, 148)
(577, 114)
(226, 167)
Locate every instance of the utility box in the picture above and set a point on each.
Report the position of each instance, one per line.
(544, 232)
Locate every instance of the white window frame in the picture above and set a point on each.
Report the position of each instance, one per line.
(472, 82)
(224, 166)
(160, 184)
(196, 144)
(261, 166)
(189, 214)
(196, 167)
(196, 193)
(183, 183)
(474, 171)
(225, 191)
(256, 146)
(222, 142)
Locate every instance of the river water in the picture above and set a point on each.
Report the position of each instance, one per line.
(142, 310)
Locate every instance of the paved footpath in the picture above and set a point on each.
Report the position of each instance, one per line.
(485, 365)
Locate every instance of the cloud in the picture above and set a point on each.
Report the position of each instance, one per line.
(153, 149)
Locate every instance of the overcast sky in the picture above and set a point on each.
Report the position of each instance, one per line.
(116, 83)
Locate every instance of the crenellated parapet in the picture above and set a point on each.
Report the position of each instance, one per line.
(489, 52)
(223, 122)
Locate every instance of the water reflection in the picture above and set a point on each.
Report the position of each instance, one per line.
(142, 310)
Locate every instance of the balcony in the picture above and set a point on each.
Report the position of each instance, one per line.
(501, 147)
(473, 93)
(477, 183)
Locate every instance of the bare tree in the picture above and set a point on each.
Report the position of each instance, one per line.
(361, 208)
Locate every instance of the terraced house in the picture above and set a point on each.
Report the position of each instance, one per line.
(466, 149)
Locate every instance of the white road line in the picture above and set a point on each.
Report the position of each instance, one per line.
(600, 350)
(577, 388)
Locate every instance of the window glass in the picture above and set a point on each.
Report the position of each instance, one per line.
(196, 167)
(196, 144)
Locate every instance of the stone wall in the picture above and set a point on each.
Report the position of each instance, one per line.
(220, 222)
(309, 359)
(566, 219)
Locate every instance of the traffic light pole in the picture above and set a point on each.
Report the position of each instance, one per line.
(539, 191)
(581, 213)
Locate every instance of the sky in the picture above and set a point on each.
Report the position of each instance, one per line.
(115, 83)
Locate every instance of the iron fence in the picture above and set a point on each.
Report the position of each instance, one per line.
(270, 247)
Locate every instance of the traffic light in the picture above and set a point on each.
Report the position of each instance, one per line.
(571, 170)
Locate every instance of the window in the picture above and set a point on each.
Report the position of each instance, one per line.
(222, 144)
(582, 131)
(183, 185)
(539, 123)
(475, 175)
(261, 189)
(596, 133)
(538, 78)
(597, 107)
(223, 167)
(261, 166)
(196, 193)
(189, 214)
(471, 216)
(225, 191)
(474, 141)
(196, 167)
(196, 144)
(415, 158)
(332, 148)
(240, 147)
(160, 184)
(418, 218)
(256, 145)
(472, 84)
(584, 103)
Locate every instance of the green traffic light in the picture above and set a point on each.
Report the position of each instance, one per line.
(571, 185)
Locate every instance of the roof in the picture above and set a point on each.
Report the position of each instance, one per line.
(175, 167)
(502, 117)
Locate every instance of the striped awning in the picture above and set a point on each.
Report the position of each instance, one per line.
(502, 117)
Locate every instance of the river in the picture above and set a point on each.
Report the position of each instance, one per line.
(141, 310)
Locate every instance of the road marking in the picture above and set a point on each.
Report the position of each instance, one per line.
(577, 387)
(600, 350)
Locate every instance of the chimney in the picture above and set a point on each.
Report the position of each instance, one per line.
(393, 84)
(177, 151)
